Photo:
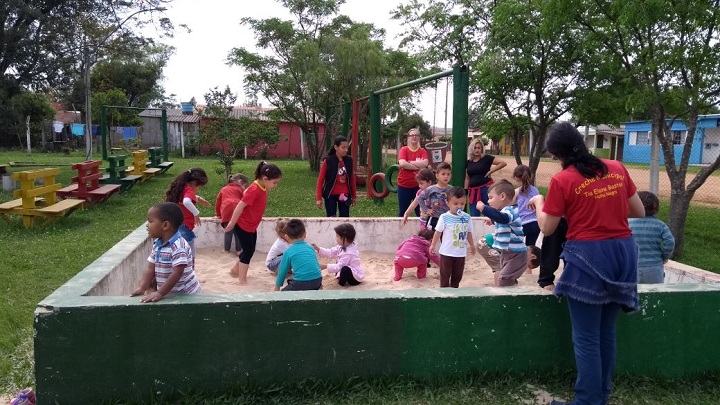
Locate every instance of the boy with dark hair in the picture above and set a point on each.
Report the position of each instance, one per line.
(654, 239)
(435, 197)
(301, 258)
(509, 234)
(171, 265)
(454, 232)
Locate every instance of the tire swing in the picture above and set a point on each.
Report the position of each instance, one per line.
(392, 170)
(378, 188)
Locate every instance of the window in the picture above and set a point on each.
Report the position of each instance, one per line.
(639, 138)
(679, 137)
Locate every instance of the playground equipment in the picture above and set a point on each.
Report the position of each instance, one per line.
(38, 200)
(460, 75)
(86, 185)
(163, 120)
(157, 160)
(116, 173)
(139, 167)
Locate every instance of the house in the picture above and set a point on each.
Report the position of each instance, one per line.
(181, 125)
(604, 141)
(705, 146)
(57, 132)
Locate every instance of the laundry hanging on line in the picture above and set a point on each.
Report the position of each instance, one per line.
(129, 132)
(78, 129)
(58, 126)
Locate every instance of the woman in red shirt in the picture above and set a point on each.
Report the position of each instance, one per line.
(336, 181)
(600, 275)
(411, 159)
(248, 213)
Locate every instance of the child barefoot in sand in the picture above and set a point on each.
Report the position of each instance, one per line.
(171, 263)
(274, 256)
(301, 258)
(415, 252)
(348, 269)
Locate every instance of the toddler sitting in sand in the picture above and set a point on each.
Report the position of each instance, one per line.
(348, 269)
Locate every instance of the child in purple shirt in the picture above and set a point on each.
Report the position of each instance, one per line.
(415, 252)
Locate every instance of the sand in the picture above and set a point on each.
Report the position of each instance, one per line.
(213, 265)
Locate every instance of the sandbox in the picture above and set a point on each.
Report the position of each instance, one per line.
(95, 343)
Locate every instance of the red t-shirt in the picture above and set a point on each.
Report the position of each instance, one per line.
(256, 199)
(406, 178)
(227, 199)
(595, 209)
(188, 217)
(339, 187)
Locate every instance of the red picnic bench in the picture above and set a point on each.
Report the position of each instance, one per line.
(86, 185)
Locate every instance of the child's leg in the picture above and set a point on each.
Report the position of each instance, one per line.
(274, 263)
(445, 270)
(228, 238)
(422, 270)
(551, 250)
(247, 242)
(496, 277)
(514, 265)
(399, 268)
(531, 231)
(458, 268)
(303, 285)
(346, 277)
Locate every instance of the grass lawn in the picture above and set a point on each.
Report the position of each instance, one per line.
(37, 261)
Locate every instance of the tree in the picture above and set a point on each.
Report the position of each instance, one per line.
(314, 62)
(227, 135)
(33, 106)
(523, 67)
(665, 55)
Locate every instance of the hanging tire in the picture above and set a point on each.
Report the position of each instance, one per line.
(394, 169)
(378, 188)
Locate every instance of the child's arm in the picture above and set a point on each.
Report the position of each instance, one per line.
(342, 261)
(146, 280)
(668, 243)
(174, 277)
(218, 204)
(325, 252)
(433, 244)
(203, 202)
(282, 272)
(471, 243)
(495, 215)
(411, 208)
(235, 216)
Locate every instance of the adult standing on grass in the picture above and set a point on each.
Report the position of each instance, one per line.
(600, 276)
(411, 159)
(478, 169)
(336, 181)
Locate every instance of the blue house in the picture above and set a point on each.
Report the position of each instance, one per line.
(705, 147)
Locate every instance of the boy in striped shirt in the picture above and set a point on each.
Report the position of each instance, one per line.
(654, 239)
(509, 236)
(171, 265)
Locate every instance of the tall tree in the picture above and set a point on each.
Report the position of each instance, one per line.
(316, 61)
(228, 135)
(665, 54)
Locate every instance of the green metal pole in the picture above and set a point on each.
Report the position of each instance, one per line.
(163, 122)
(375, 136)
(347, 112)
(103, 131)
(461, 90)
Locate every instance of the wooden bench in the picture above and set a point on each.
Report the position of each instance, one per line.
(86, 185)
(32, 195)
(139, 166)
(157, 160)
(117, 173)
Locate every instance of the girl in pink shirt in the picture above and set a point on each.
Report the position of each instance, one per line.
(347, 269)
(415, 252)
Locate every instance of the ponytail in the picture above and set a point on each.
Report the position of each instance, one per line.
(267, 170)
(565, 143)
(194, 175)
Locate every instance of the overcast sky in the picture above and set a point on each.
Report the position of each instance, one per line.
(199, 60)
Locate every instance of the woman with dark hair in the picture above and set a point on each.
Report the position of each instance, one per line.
(599, 278)
(336, 181)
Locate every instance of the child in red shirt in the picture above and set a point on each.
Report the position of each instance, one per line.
(227, 199)
(248, 213)
(182, 191)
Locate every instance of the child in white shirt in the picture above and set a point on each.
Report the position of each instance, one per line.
(274, 256)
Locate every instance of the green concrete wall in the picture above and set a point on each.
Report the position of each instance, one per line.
(89, 349)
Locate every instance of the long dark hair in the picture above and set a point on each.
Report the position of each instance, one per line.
(269, 170)
(194, 175)
(565, 143)
(338, 140)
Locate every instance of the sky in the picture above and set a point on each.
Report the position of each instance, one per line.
(198, 64)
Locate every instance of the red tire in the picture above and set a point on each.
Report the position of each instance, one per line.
(378, 179)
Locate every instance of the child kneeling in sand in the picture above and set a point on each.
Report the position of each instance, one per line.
(171, 265)
(274, 256)
(347, 269)
(301, 258)
(509, 234)
(415, 252)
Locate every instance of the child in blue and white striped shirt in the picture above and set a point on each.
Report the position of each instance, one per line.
(654, 239)
(509, 236)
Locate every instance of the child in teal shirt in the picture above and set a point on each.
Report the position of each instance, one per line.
(301, 258)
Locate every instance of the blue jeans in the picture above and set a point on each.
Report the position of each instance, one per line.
(593, 336)
(186, 233)
(405, 198)
(484, 198)
(651, 275)
(333, 205)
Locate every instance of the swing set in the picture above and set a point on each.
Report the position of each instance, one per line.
(379, 183)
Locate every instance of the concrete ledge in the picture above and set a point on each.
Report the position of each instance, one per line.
(91, 348)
